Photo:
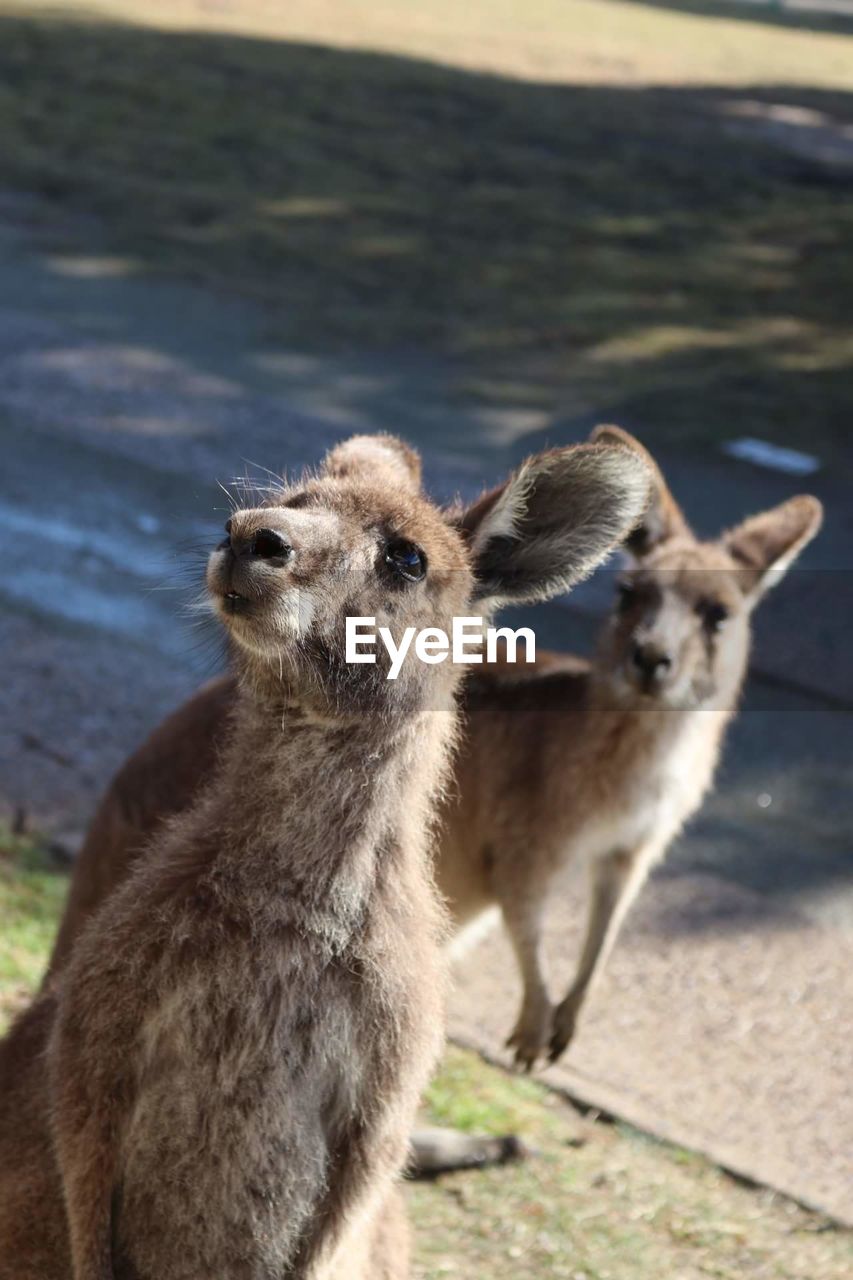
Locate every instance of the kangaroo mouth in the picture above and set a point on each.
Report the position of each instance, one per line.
(234, 603)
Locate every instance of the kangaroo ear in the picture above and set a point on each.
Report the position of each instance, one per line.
(368, 456)
(553, 521)
(765, 546)
(663, 517)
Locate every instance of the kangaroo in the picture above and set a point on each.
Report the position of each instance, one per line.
(236, 1044)
(604, 761)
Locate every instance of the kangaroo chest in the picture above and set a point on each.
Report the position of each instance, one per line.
(650, 797)
(247, 1091)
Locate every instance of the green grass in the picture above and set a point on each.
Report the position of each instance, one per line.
(468, 1095)
(578, 232)
(598, 1201)
(32, 892)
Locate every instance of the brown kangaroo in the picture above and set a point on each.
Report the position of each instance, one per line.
(236, 1044)
(604, 761)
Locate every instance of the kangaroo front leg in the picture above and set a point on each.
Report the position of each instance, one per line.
(85, 1157)
(89, 1098)
(529, 1039)
(616, 880)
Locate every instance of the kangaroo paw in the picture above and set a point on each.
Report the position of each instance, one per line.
(565, 1019)
(529, 1040)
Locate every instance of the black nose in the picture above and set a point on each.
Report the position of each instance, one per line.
(269, 545)
(266, 544)
(651, 661)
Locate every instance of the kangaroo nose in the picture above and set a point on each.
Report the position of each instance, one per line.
(651, 661)
(266, 544)
(269, 545)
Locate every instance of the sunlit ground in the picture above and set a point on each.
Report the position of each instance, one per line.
(579, 41)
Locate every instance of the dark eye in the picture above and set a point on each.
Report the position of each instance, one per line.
(626, 594)
(713, 614)
(226, 542)
(406, 559)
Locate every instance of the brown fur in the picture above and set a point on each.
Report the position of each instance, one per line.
(237, 1041)
(599, 761)
(158, 781)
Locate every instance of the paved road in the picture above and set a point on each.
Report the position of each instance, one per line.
(725, 1019)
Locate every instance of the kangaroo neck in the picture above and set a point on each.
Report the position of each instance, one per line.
(624, 723)
(306, 809)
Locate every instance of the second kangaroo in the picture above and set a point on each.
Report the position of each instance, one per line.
(605, 761)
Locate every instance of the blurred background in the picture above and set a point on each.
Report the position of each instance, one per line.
(233, 231)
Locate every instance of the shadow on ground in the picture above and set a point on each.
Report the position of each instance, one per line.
(660, 256)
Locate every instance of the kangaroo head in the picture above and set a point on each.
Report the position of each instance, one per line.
(359, 539)
(679, 632)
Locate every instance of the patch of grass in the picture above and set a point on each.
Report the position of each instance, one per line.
(599, 1202)
(32, 893)
(586, 230)
(465, 1095)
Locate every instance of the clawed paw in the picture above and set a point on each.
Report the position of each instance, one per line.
(529, 1041)
(563, 1032)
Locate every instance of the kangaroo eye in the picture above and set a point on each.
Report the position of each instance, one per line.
(406, 559)
(712, 614)
(626, 594)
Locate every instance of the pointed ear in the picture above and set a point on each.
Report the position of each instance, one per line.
(553, 521)
(372, 455)
(765, 546)
(663, 517)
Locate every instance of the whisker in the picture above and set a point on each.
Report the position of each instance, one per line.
(233, 504)
(202, 604)
(272, 474)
